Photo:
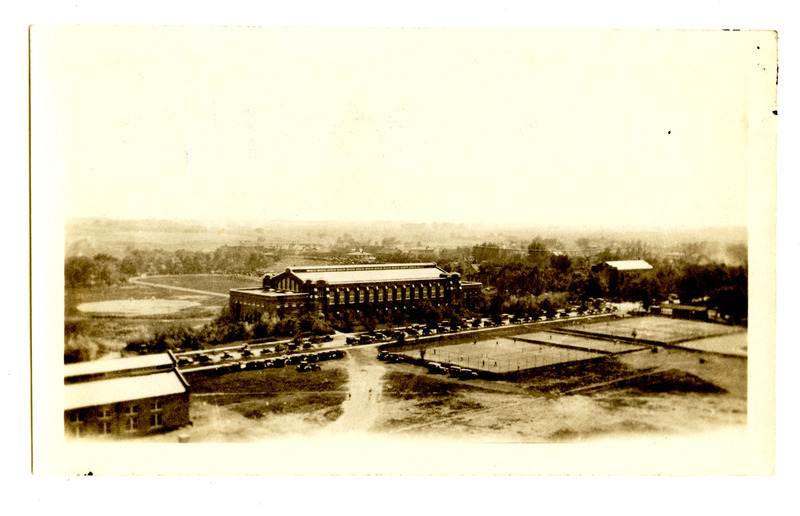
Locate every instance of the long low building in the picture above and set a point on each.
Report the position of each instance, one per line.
(331, 289)
(125, 397)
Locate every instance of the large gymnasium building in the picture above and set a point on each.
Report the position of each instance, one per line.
(330, 289)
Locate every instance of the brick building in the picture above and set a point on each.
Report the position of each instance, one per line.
(126, 397)
(331, 289)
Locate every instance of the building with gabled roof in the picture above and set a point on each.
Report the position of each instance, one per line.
(613, 274)
(628, 265)
(126, 397)
(331, 289)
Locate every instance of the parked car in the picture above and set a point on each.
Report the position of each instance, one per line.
(305, 367)
(467, 374)
(436, 368)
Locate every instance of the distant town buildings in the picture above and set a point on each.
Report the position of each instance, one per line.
(124, 397)
(331, 289)
(359, 257)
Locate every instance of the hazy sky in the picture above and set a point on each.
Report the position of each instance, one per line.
(535, 127)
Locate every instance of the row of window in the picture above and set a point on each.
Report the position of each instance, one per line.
(264, 305)
(130, 419)
(286, 284)
(391, 295)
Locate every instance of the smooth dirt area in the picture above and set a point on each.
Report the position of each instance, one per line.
(136, 307)
(362, 407)
(734, 344)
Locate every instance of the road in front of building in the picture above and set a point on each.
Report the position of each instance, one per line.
(361, 409)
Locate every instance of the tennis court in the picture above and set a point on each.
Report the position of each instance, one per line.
(732, 344)
(659, 329)
(578, 342)
(503, 355)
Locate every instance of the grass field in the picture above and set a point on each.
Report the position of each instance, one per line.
(502, 355)
(255, 394)
(219, 283)
(658, 329)
(575, 341)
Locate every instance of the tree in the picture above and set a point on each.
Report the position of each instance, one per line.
(79, 272)
(538, 254)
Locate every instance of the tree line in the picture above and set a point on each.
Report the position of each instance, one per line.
(104, 269)
(541, 280)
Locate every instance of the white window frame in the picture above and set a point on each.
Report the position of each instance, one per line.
(131, 417)
(158, 417)
(130, 423)
(76, 423)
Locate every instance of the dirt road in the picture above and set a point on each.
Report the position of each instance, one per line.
(138, 281)
(362, 407)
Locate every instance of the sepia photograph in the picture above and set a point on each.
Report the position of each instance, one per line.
(403, 250)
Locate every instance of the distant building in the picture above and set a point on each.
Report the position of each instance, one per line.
(331, 289)
(614, 273)
(359, 257)
(683, 311)
(124, 397)
(626, 265)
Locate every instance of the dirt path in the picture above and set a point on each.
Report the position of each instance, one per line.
(137, 281)
(362, 407)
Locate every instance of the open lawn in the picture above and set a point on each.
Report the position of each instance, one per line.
(255, 394)
(219, 283)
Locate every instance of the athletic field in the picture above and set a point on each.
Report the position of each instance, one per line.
(659, 329)
(502, 355)
(578, 342)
